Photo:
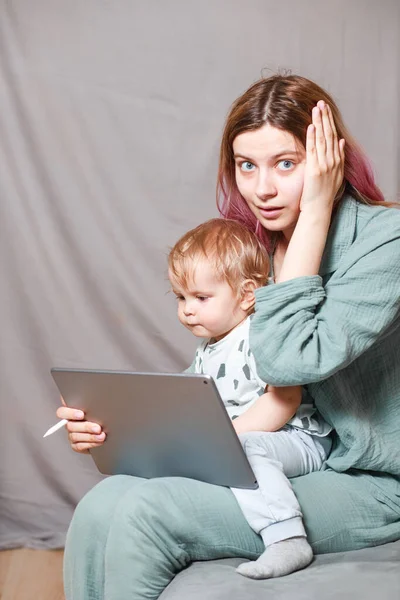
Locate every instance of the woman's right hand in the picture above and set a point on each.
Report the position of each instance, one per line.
(82, 434)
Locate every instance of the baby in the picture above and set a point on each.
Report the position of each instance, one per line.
(214, 271)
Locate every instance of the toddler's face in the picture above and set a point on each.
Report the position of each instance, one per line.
(209, 308)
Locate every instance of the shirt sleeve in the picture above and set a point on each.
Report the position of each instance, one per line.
(192, 368)
(251, 363)
(303, 332)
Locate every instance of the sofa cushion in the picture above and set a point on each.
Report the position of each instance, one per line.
(368, 574)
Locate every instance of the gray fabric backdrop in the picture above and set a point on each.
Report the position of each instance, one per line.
(111, 115)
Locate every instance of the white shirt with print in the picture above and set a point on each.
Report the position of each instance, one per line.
(231, 364)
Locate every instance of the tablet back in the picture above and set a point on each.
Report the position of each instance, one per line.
(158, 425)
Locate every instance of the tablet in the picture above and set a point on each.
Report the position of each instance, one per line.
(159, 425)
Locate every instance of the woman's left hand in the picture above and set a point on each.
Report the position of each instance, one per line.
(324, 161)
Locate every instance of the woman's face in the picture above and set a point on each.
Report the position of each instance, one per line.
(269, 171)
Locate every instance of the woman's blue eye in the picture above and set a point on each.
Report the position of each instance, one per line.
(247, 166)
(285, 165)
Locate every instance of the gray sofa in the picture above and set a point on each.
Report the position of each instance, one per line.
(368, 574)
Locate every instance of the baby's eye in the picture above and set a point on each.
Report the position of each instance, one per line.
(247, 166)
(285, 165)
(179, 297)
(202, 298)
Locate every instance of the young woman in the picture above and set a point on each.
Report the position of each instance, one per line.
(336, 333)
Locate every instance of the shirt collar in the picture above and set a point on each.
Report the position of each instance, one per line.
(341, 235)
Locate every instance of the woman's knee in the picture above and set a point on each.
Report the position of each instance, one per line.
(98, 504)
(162, 503)
(158, 504)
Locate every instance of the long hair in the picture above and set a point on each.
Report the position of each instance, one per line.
(286, 102)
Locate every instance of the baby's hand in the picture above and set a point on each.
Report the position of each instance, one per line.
(82, 434)
(324, 161)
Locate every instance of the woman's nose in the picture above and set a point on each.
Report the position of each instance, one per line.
(265, 186)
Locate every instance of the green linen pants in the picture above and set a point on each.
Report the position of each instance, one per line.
(129, 536)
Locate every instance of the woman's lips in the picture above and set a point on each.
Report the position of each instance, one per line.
(271, 213)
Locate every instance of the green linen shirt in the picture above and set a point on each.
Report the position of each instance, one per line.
(338, 334)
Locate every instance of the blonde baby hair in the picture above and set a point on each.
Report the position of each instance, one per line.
(234, 252)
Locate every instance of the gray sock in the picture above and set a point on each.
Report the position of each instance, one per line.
(279, 559)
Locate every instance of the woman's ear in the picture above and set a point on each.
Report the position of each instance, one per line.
(247, 296)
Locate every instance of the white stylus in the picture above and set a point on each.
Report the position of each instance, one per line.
(56, 427)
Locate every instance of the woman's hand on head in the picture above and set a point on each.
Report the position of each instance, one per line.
(324, 169)
(82, 435)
